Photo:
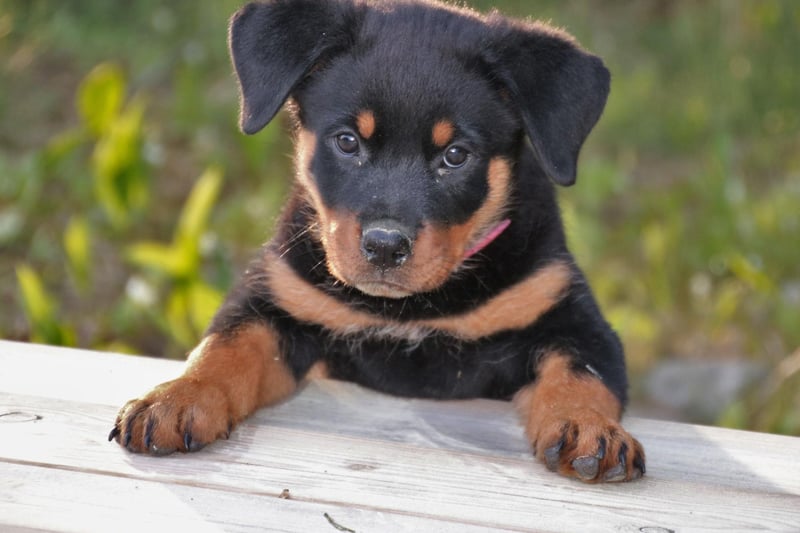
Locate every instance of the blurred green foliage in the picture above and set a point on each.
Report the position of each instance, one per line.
(118, 121)
(191, 301)
(40, 310)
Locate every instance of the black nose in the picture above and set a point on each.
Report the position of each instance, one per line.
(385, 247)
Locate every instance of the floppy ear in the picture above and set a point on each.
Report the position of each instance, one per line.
(559, 88)
(274, 44)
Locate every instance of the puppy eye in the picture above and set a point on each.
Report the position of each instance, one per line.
(347, 143)
(455, 157)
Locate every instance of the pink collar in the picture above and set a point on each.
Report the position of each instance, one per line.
(488, 238)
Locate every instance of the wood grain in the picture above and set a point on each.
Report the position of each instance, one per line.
(372, 462)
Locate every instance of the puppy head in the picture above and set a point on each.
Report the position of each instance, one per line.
(410, 117)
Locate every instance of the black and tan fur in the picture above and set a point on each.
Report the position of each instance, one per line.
(421, 252)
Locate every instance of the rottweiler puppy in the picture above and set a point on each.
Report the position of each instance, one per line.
(421, 252)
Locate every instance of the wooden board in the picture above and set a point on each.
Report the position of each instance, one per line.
(369, 461)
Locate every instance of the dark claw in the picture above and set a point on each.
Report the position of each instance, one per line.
(191, 445)
(623, 452)
(638, 463)
(617, 473)
(553, 454)
(114, 434)
(128, 436)
(586, 466)
(601, 448)
(160, 452)
(197, 446)
(126, 440)
(148, 433)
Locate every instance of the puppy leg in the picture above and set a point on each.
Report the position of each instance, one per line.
(227, 377)
(572, 420)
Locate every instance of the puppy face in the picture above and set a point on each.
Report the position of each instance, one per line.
(410, 119)
(407, 168)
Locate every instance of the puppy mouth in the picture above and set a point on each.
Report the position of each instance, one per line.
(383, 289)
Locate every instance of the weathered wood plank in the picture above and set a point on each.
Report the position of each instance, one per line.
(45, 498)
(326, 468)
(382, 463)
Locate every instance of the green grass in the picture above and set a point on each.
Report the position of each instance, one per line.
(685, 215)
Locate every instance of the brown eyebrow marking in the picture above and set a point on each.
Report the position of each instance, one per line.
(365, 121)
(443, 132)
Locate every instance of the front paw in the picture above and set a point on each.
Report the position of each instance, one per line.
(589, 446)
(181, 415)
